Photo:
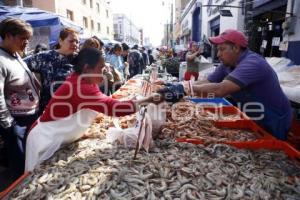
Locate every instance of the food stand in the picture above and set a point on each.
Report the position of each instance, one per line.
(209, 150)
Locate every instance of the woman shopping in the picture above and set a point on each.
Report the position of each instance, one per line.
(193, 62)
(117, 64)
(54, 66)
(73, 107)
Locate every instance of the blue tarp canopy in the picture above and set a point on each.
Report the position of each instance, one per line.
(39, 18)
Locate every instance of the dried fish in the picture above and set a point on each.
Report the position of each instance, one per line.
(184, 121)
(169, 171)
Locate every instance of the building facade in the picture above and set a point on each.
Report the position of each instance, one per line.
(190, 23)
(186, 23)
(291, 34)
(274, 28)
(95, 16)
(27, 3)
(179, 8)
(214, 22)
(166, 38)
(125, 30)
(264, 26)
(147, 42)
(141, 36)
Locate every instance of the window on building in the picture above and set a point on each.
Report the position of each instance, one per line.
(85, 22)
(98, 7)
(99, 27)
(91, 3)
(107, 30)
(116, 28)
(83, 1)
(107, 14)
(92, 24)
(70, 15)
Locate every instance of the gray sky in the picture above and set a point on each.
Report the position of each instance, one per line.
(147, 14)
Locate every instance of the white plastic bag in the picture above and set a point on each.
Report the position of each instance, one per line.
(147, 133)
(128, 137)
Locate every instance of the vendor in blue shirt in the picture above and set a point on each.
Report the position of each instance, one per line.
(250, 81)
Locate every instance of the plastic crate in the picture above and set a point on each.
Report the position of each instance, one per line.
(260, 133)
(227, 110)
(211, 101)
(245, 125)
(11, 187)
(262, 144)
(294, 134)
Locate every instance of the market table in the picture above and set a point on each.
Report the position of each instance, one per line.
(93, 168)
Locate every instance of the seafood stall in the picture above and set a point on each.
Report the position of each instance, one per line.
(207, 153)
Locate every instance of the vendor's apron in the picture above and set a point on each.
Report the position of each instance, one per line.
(275, 121)
(47, 137)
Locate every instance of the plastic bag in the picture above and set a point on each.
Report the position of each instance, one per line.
(147, 133)
(128, 137)
(157, 114)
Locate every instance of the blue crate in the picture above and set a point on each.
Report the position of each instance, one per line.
(211, 101)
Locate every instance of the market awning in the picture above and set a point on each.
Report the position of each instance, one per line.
(39, 18)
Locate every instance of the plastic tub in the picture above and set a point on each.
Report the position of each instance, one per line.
(10, 188)
(246, 125)
(227, 110)
(211, 101)
(260, 133)
(263, 144)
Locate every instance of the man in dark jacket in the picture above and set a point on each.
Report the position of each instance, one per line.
(145, 57)
(135, 60)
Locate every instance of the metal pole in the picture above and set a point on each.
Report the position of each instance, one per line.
(167, 34)
(171, 27)
(227, 6)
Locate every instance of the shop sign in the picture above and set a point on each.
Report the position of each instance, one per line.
(213, 10)
(258, 3)
(283, 46)
(264, 44)
(275, 41)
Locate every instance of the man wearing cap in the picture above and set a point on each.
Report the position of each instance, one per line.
(250, 81)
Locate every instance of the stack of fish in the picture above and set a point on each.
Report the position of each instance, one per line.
(94, 169)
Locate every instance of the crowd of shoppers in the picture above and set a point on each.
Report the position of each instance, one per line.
(28, 83)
